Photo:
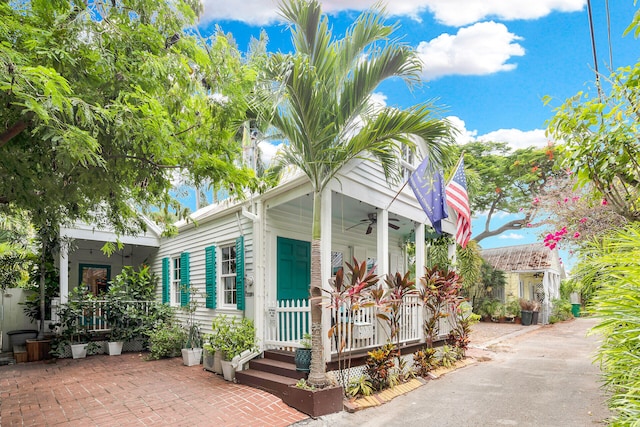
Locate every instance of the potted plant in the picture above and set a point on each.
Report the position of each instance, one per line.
(238, 338)
(192, 348)
(212, 356)
(512, 311)
(303, 354)
(75, 318)
(526, 311)
(122, 325)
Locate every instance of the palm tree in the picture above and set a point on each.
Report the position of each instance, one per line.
(325, 115)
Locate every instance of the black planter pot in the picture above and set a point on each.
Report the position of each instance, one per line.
(303, 359)
(527, 316)
(534, 318)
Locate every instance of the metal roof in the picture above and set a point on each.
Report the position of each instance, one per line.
(530, 257)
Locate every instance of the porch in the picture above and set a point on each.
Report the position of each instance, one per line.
(287, 321)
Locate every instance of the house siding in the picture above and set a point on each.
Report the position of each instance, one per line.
(194, 239)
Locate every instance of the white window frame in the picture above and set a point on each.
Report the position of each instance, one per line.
(408, 161)
(176, 282)
(222, 291)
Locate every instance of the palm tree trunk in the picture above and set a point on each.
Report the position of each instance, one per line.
(317, 374)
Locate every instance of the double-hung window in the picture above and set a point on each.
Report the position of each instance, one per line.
(176, 280)
(228, 274)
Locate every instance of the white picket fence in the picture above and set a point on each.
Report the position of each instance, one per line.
(95, 320)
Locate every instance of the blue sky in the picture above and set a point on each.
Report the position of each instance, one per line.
(487, 63)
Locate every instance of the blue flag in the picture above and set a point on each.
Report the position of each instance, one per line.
(428, 186)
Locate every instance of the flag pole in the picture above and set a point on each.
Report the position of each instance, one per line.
(456, 166)
(396, 196)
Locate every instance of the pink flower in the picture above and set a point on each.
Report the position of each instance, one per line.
(604, 202)
(576, 235)
(528, 224)
(552, 246)
(583, 220)
(566, 200)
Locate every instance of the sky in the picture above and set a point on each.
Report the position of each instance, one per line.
(487, 64)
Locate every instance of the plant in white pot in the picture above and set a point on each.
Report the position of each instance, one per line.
(192, 349)
(74, 316)
(237, 339)
(120, 318)
(212, 357)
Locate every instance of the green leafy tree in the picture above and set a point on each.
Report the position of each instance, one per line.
(600, 141)
(326, 117)
(503, 180)
(103, 102)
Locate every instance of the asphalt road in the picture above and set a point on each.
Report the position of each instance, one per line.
(545, 377)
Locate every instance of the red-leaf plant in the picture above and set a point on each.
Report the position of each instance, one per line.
(349, 293)
(440, 296)
(390, 299)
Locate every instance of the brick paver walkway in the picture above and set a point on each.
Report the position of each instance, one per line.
(126, 390)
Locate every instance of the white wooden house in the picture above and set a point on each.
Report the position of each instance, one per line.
(252, 257)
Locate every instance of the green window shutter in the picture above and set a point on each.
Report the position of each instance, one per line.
(165, 280)
(240, 273)
(210, 276)
(184, 278)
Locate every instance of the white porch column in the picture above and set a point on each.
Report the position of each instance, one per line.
(325, 260)
(383, 242)
(64, 273)
(451, 253)
(259, 282)
(420, 262)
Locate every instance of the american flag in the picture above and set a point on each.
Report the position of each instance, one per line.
(458, 199)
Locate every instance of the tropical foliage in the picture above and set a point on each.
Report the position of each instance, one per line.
(612, 266)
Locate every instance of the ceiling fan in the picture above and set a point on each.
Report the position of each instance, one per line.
(372, 219)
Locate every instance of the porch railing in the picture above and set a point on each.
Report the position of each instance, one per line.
(94, 317)
(288, 320)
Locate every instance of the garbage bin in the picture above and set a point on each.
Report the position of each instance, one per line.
(575, 310)
(526, 317)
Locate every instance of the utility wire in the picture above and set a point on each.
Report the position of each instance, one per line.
(606, 3)
(593, 48)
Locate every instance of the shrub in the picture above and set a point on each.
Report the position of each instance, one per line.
(166, 340)
(424, 361)
(561, 309)
(360, 386)
(448, 356)
(380, 365)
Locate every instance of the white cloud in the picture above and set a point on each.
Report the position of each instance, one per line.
(483, 48)
(511, 236)
(449, 12)
(515, 138)
(464, 12)
(268, 150)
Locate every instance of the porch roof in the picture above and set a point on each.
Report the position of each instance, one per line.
(522, 258)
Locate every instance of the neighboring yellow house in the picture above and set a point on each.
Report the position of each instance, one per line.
(532, 272)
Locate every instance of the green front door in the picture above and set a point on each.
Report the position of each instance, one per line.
(294, 269)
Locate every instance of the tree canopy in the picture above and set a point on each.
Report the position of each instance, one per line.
(104, 101)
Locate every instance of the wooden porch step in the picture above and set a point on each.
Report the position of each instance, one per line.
(275, 366)
(267, 381)
(282, 355)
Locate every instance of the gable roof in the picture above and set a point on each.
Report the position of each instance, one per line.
(530, 257)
